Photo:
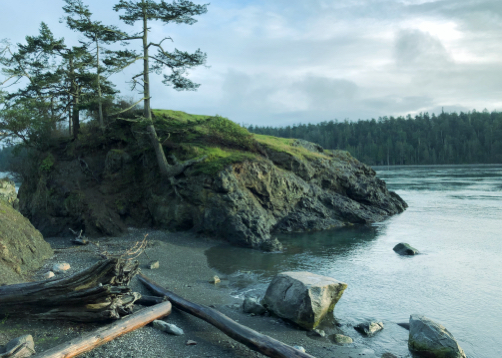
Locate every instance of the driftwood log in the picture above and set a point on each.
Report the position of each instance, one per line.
(105, 334)
(254, 340)
(98, 293)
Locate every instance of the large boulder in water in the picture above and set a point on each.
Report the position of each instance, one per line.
(303, 298)
(430, 339)
(244, 188)
(405, 249)
(22, 247)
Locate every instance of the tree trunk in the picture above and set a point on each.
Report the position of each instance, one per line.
(147, 112)
(75, 114)
(105, 334)
(98, 293)
(254, 340)
(100, 96)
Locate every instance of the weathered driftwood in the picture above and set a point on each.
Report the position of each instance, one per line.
(150, 300)
(98, 293)
(105, 334)
(254, 340)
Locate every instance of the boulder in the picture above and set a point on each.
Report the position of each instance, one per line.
(405, 249)
(20, 347)
(303, 298)
(430, 339)
(369, 328)
(22, 247)
(60, 267)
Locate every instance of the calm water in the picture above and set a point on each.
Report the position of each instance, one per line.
(454, 218)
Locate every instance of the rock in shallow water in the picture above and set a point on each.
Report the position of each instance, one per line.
(369, 328)
(341, 339)
(405, 249)
(430, 339)
(303, 298)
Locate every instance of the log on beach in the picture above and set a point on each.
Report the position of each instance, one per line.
(98, 293)
(105, 334)
(245, 335)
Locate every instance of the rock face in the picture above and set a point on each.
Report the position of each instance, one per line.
(303, 298)
(431, 339)
(273, 186)
(8, 192)
(405, 249)
(22, 247)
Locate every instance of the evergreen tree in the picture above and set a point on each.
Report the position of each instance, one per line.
(178, 62)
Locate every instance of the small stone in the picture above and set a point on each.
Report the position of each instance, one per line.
(20, 347)
(167, 327)
(300, 348)
(190, 343)
(61, 267)
(405, 249)
(215, 280)
(369, 328)
(253, 306)
(153, 265)
(48, 275)
(316, 333)
(341, 339)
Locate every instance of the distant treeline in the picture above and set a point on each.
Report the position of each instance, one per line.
(449, 138)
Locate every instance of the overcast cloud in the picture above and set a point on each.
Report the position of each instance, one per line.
(287, 61)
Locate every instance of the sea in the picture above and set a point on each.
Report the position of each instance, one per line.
(454, 219)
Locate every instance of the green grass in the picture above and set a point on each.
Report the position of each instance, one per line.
(285, 145)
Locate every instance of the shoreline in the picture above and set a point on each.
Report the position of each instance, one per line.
(184, 270)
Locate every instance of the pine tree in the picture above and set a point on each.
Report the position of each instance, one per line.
(178, 62)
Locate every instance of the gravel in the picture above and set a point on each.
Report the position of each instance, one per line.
(183, 269)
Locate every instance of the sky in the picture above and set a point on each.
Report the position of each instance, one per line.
(283, 62)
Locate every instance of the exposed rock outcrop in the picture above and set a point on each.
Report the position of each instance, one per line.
(303, 298)
(22, 247)
(243, 189)
(405, 249)
(431, 339)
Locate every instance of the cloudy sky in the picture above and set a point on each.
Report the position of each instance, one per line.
(280, 62)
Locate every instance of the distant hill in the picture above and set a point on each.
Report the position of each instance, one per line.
(449, 138)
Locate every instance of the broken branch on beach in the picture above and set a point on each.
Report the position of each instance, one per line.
(102, 335)
(98, 293)
(245, 335)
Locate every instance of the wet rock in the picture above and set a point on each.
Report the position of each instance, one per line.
(405, 249)
(190, 343)
(341, 339)
(431, 339)
(48, 275)
(388, 355)
(154, 265)
(369, 328)
(303, 298)
(61, 267)
(252, 305)
(316, 333)
(168, 327)
(405, 325)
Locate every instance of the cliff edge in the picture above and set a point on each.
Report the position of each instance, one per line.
(235, 185)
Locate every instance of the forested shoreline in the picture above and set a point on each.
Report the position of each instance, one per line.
(448, 138)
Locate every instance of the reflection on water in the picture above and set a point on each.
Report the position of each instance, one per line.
(454, 218)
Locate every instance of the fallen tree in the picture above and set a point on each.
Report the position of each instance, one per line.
(107, 333)
(98, 293)
(254, 340)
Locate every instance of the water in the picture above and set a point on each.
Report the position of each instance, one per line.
(454, 218)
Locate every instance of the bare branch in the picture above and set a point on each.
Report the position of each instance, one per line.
(125, 110)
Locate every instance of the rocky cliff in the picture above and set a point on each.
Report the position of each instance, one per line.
(243, 187)
(22, 247)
